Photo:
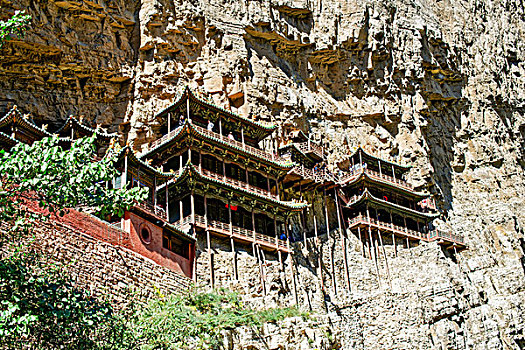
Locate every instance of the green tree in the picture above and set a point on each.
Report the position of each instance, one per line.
(14, 26)
(39, 306)
(59, 179)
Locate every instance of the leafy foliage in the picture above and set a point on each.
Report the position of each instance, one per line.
(59, 179)
(39, 308)
(15, 26)
(196, 320)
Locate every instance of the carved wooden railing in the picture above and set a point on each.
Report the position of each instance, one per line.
(250, 149)
(148, 206)
(240, 184)
(238, 232)
(316, 175)
(431, 236)
(309, 147)
(376, 175)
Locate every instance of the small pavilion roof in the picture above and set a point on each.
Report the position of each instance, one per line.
(14, 117)
(367, 157)
(263, 128)
(7, 140)
(136, 163)
(189, 129)
(73, 122)
(365, 176)
(192, 173)
(367, 198)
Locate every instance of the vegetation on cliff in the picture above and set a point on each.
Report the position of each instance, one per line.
(41, 308)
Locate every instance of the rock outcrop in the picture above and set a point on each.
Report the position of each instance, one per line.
(439, 85)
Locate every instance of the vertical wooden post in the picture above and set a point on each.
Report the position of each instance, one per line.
(208, 242)
(242, 138)
(318, 246)
(223, 169)
(374, 246)
(188, 108)
(291, 260)
(154, 193)
(235, 277)
(220, 126)
(167, 204)
(169, 123)
(393, 173)
(125, 173)
(360, 157)
(380, 171)
(361, 240)
(180, 163)
(253, 229)
(181, 210)
(277, 240)
(192, 208)
(278, 190)
(384, 251)
(343, 240)
(200, 161)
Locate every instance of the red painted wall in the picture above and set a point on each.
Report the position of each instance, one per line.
(154, 250)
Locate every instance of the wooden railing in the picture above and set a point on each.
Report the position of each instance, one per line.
(240, 184)
(376, 175)
(431, 236)
(309, 147)
(250, 149)
(163, 138)
(236, 231)
(448, 236)
(148, 206)
(316, 175)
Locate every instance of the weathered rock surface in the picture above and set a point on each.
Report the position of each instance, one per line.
(436, 84)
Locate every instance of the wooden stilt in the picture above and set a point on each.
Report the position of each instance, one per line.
(386, 259)
(290, 256)
(394, 244)
(334, 283)
(319, 252)
(373, 248)
(343, 240)
(208, 242)
(235, 277)
(361, 240)
(260, 256)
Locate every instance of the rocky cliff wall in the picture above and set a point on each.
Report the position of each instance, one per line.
(435, 84)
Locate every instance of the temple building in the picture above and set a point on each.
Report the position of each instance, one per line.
(223, 184)
(214, 176)
(378, 202)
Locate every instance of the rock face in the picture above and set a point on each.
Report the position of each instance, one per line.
(437, 84)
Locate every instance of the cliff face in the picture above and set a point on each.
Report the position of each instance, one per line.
(435, 84)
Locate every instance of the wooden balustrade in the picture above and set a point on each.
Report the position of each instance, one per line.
(148, 206)
(240, 184)
(431, 236)
(309, 147)
(239, 232)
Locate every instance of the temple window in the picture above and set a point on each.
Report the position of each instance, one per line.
(175, 245)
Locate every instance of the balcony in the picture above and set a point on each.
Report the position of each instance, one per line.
(309, 147)
(319, 176)
(236, 232)
(403, 231)
(377, 176)
(239, 184)
(250, 149)
(152, 209)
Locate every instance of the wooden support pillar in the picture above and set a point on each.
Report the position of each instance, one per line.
(278, 189)
(334, 282)
(208, 242)
(242, 138)
(360, 157)
(188, 108)
(361, 240)
(343, 239)
(235, 277)
(394, 243)
(393, 173)
(279, 254)
(384, 251)
(220, 126)
(319, 251)
(154, 193)
(200, 161)
(374, 248)
(180, 163)
(261, 271)
(224, 169)
(192, 208)
(253, 229)
(181, 210)
(294, 283)
(380, 171)
(124, 180)
(169, 123)
(167, 204)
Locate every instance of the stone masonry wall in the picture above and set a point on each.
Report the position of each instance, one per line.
(104, 268)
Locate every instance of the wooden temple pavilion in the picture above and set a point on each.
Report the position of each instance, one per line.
(222, 183)
(378, 202)
(17, 127)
